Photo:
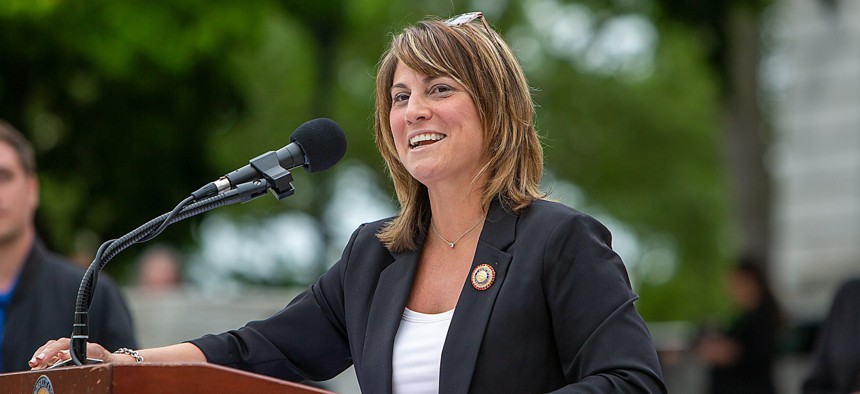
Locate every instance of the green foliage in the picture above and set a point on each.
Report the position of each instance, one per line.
(118, 98)
(26, 8)
(645, 147)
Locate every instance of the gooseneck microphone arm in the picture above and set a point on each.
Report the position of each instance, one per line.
(80, 331)
(316, 145)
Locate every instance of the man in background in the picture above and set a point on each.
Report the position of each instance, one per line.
(38, 288)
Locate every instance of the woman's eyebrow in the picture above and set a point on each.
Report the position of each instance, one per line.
(429, 79)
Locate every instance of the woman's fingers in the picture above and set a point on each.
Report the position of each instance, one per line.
(56, 351)
(50, 353)
(63, 355)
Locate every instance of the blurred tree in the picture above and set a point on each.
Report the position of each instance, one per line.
(659, 147)
(635, 129)
(732, 34)
(117, 98)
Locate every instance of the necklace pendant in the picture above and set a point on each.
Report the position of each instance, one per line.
(452, 244)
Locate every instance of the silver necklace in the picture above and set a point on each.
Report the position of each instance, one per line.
(454, 243)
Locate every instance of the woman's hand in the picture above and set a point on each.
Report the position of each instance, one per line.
(56, 351)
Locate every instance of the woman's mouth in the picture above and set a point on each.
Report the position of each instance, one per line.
(425, 139)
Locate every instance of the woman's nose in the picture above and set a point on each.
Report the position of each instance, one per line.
(417, 109)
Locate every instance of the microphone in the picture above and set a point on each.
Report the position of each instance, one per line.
(316, 145)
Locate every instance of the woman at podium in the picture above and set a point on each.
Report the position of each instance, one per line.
(480, 284)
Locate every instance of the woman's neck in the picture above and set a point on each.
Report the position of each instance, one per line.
(458, 198)
(456, 210)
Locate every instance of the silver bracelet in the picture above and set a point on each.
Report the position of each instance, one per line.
(124, 350)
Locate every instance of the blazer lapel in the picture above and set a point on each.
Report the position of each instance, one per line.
(389, 301)
(474, 307)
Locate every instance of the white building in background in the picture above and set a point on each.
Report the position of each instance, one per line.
(817, 160)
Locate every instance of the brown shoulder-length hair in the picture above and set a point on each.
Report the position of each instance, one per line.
(478, 58)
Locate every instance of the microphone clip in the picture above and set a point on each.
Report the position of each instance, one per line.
(280, 179)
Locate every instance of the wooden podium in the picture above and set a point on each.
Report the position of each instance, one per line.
(146, 378)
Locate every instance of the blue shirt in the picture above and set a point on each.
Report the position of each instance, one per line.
(5, 297)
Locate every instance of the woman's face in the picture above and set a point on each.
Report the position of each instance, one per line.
(436, 127)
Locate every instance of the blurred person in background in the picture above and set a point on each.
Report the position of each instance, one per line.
(38, 288)
(159, 270)
(480, 284)
(836, 361)
(741, 357)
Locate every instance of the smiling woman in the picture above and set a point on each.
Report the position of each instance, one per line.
(437, 131)
(478, 284)
(475, 59)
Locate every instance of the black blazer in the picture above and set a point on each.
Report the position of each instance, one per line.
(559, 316)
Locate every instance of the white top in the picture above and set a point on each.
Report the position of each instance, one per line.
(418, 351)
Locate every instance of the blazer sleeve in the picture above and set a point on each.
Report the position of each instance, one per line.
(307, 340)
(603, 343)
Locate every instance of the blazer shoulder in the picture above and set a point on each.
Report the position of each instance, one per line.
(363, 244)
(549, 214)
(367, 231)
(552, 208)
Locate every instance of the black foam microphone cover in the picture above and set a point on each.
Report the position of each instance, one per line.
(323, 142)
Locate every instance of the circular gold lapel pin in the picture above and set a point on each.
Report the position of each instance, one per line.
(483, 277)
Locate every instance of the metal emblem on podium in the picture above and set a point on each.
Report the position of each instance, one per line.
(43, 386)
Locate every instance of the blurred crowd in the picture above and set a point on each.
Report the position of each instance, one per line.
(741, 354)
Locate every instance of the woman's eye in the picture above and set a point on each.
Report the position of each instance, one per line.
(440, 89)
(399, 98)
